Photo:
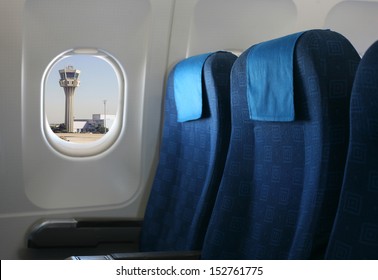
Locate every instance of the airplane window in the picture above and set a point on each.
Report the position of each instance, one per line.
(83, 93)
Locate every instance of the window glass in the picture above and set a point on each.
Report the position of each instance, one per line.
(82, 96)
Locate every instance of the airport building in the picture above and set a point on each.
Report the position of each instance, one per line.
(92, 125)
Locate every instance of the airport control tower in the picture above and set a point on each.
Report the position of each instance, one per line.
(69, 80)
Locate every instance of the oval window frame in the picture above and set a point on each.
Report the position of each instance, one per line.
(99, 146)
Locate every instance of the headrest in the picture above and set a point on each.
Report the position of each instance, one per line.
(187, 83)
(270, 88)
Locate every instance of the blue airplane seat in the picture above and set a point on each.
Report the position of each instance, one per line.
(355, 232)
(196, 133)
(281, 184)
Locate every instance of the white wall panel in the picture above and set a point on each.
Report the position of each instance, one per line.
(356, 20)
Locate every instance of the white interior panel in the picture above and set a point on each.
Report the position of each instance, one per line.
(223, 24)
(37, 181)
(53, 180)
(356, 20)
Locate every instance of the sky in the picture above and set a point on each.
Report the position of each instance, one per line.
(98, 82)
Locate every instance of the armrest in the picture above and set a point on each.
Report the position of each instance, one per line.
(83, 232)
(168, 255)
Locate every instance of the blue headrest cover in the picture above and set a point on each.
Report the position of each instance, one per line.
(270, 88)
(187, 83)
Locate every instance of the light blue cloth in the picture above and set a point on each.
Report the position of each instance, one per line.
(187, 84)
(270, 88)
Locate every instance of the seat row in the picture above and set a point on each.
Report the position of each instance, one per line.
(270, 155)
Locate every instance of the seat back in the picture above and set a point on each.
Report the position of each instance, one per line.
(280, 188)
(192, 158)
(355, 232)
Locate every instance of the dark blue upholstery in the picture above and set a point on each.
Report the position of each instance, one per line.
(191, 164)
(355, 233)
(282, 180)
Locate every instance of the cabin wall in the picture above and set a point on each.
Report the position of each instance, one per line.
(36, 181)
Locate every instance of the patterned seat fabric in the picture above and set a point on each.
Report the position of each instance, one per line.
(282, 180)
(355, 233)
(191, 164)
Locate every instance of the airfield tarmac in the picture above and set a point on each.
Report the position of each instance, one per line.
(79, 137)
